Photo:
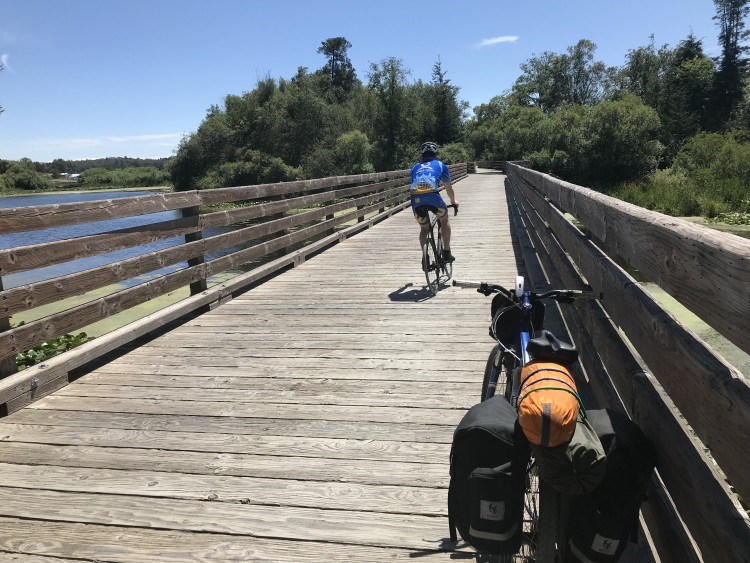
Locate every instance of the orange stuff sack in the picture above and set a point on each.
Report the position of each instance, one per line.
(548, 403)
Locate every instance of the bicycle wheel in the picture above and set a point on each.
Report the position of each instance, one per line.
(430, 266)
(511, 363)
(446, 268)
(531, 550)
(498, 373)
(492, 373)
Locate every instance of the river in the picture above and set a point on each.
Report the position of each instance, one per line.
(71, 231)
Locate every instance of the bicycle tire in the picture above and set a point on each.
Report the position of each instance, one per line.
(498, 373)
(511, 363)
(430, 266)
(533, 531)
(445, 267)
(492, 373)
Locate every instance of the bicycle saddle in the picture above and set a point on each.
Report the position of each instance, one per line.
(546, 346)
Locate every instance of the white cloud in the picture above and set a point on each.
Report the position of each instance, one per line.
(496, 40)
(4, 61)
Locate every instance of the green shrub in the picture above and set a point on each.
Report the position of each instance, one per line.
(131, 177)
(50, 349)
(255, 168)
(665, 191)
(454, 153)
(21, 175)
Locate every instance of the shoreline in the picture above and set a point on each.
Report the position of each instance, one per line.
(93, 190)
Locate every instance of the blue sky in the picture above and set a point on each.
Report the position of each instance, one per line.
(95, 78)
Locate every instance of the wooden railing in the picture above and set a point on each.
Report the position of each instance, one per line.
(492, 164)
(278, 225)
(688, 400)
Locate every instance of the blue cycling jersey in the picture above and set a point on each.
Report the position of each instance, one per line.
(426, 176)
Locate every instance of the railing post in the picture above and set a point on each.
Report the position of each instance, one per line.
(282, 233)
(201, 285)
(8, 363)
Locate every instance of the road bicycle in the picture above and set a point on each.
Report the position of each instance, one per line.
(436, 268)
(517, 315)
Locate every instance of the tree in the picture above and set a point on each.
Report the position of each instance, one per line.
(687, 87)
(553, 80)
(209, 146)
(339, 69)
(21, 175)
(387, 80)
(588, 77)
(732, 65)
(622, 141)
(544, 82)
(644, 71)
(445, 105)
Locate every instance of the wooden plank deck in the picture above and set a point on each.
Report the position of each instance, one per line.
(309, 419)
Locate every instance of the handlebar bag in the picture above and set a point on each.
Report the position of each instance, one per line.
(488, 463)
(506, 317)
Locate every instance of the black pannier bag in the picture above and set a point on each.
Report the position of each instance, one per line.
(600, 523)
(488, 463)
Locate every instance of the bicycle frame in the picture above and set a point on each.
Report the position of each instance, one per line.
(525, 333)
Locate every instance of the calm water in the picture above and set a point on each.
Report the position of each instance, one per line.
(71, 231)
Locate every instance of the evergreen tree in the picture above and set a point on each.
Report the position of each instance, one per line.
(388, 83)
(685, 102)
(446, 109)
(732, 64)
(338, 70)
(643, 72)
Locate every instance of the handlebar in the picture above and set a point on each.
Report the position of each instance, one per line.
(455, 208)
(559, 295)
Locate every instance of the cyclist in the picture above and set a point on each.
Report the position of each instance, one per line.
(426, 177)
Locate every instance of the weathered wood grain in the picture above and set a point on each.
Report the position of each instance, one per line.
(707, 271)
(44, 542)
(337, 526)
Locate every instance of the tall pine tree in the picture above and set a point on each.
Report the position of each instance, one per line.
(732, 64)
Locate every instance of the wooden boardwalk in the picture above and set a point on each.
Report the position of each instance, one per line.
(309, 419)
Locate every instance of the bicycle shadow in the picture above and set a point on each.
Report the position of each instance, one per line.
(412, 295)
(451, 548)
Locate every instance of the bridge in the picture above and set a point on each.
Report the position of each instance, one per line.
(302, 408)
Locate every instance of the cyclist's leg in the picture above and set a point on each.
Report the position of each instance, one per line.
(419, 208)
(446, 225)
(424, 228)
(437, 205)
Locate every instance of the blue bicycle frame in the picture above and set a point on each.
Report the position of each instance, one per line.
(524, 335)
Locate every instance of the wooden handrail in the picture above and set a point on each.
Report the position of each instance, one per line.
(683, 368)
(21, 219)
(314, 210)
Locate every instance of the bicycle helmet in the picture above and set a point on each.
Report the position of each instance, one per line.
(429, 146)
